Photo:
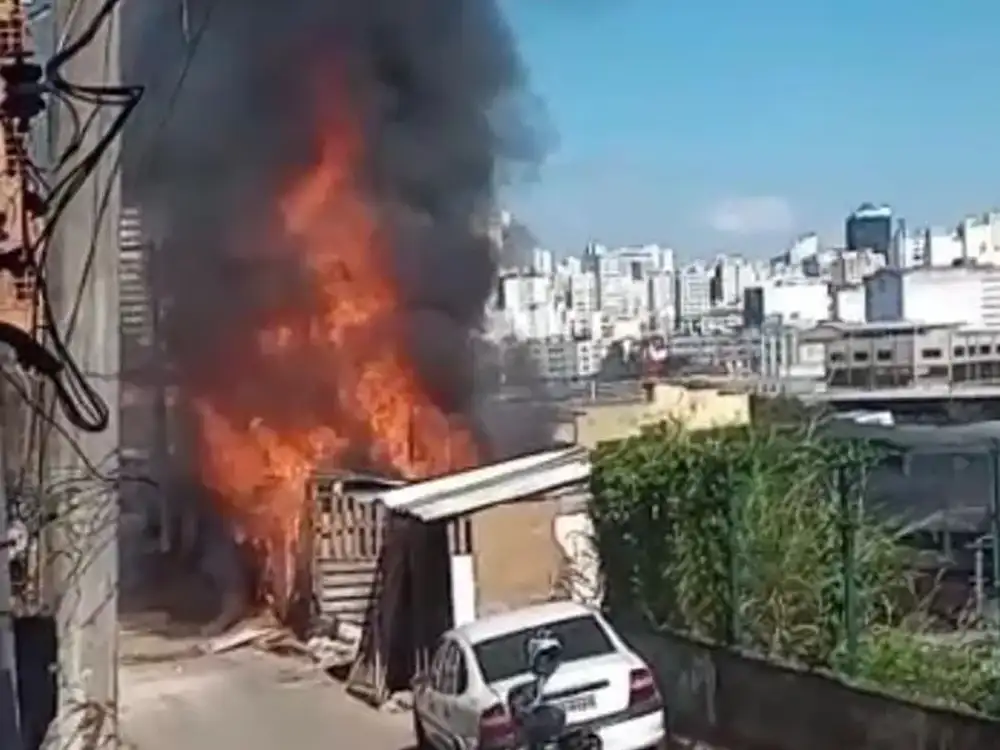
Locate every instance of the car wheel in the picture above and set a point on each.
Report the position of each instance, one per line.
(419, 734)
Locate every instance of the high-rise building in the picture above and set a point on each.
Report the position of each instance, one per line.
(870, 228)
(694, 291)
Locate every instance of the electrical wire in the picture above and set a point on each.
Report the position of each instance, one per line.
(93, 469)
(186, 66)
(60, 194)
(80, 401)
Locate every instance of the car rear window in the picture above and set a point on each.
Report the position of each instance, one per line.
(506, 656)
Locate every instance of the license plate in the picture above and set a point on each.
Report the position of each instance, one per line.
(578, 703)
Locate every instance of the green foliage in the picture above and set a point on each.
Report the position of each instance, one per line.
(937, 668)
(749, 536)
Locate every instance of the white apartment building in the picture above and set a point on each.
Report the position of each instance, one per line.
(542, 262)
(806, 246)
(975, 240)
(966, 295)
(694, 291)
(853, 266)
(623, 278)
(727, 280)
(940, 247)
(528, 306)
(662, 305)
(570, 266)
(795, 301)
(909, 250)
(583, 298)
(622, 297)
(733, 276)
(848, 303)
(560, 358)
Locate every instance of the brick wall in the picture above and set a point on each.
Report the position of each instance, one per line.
(15, 297)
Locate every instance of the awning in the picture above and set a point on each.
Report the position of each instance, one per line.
(487, 486)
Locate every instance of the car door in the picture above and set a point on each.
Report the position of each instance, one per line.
(465, 708)
(432, 711)
(447, 686)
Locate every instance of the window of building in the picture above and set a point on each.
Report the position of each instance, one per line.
(984, 349)
(931, 353)
(959, 351)
(884, 355)
(860, 356)
(836, 357)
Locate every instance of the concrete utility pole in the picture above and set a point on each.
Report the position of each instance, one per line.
(10, 730)
(83, 544)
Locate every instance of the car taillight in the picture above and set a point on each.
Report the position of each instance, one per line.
(642, 689)
(496, 730)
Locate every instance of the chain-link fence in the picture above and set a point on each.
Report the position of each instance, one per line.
(808, 550)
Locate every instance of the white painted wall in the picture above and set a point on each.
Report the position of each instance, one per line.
(463, 589)
(573, 533)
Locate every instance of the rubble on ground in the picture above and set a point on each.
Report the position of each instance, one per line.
(332, 645)
(398, 703)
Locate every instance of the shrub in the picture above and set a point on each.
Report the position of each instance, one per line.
(755, 538)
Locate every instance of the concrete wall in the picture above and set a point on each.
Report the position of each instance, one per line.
(581, 574)
(695, 408)
(733, 701)
(515, 557)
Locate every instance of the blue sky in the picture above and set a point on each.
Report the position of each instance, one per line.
(730, 125)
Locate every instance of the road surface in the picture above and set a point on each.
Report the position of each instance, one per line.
(173, 697)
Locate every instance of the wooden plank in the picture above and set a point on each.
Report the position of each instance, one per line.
(332, 566)
(339, 591)
(347, 578)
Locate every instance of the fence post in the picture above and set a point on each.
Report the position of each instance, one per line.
(733, 518)
(995, 521)
(848, 531)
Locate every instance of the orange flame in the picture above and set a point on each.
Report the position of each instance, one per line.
(349, 334)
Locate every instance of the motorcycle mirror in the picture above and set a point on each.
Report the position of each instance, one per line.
(544, 653)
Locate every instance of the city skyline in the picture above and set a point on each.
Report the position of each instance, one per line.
(738, 128)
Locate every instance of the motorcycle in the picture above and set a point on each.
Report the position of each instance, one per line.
(541, 725)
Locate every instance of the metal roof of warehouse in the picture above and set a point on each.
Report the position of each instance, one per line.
(977, 435)
(483, 487)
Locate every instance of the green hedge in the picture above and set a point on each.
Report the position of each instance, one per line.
(755, 538)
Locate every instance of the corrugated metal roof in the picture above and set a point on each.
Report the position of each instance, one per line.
(974, 436)
(486, 486)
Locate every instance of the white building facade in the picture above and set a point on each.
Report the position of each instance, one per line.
(964, 295)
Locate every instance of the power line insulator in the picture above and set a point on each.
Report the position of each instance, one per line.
(23, 91)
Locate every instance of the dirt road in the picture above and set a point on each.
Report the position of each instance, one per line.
(172, 697)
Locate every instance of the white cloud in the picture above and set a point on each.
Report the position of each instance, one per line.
(761, 214)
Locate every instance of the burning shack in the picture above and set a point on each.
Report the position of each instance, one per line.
(325, 247)
(400, 559)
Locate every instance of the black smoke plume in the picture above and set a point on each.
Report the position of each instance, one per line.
(440, 93)
(440, 90)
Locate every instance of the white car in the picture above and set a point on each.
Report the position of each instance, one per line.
(600, 683)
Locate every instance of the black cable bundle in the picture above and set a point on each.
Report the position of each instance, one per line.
(82, 404)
